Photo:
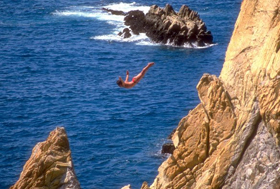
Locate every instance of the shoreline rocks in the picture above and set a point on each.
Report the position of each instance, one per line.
(165, 26)
(50, 165)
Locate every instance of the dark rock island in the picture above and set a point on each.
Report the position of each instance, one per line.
(168, 27)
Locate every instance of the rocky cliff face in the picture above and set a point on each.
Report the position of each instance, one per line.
(50, 165)
(231, 139)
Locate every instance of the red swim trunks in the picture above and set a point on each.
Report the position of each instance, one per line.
(134, 80)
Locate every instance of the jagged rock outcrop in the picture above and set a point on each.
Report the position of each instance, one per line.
(231, 139)
(167, 26)
(115, 12)
(50, 165)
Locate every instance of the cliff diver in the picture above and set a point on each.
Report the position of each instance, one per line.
(129, 84)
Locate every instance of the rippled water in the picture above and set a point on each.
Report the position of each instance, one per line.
(59, 64)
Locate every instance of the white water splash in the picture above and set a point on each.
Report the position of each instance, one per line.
(126, 7)
(140, 39)
(90, 12)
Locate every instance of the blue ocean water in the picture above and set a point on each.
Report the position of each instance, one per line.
(59, 64)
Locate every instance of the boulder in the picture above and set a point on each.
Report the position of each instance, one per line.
(125, 33)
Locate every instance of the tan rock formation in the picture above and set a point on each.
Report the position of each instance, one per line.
(231, 139)
(50, 165)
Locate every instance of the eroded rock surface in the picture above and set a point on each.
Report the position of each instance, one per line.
(167, 26)
(50, 165)
(231, 139)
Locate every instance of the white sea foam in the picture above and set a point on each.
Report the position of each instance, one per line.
(98, 13)
(126, 7)
(147, 42)
(141, 39)
(76, 13)
(195, 46)
(116, 20)
(91, 12)
(191, 45)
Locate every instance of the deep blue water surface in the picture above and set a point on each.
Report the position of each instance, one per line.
(59, 63)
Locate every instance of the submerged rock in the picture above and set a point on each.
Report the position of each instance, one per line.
(50, 165)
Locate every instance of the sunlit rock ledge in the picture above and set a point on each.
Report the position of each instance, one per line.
(50, 165)
(231, 139)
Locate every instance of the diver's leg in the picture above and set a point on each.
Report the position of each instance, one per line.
(143, 72)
